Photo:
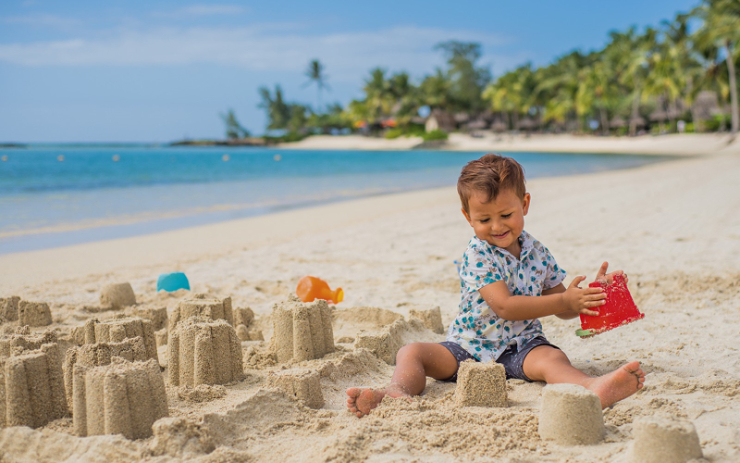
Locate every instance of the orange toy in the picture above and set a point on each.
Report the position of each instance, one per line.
(311, 288)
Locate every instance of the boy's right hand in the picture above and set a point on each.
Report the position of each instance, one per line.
(580, 300)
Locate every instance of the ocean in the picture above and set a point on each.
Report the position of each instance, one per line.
(62, 195)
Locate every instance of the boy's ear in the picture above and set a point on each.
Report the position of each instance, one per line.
(467, 217)
(525, 205)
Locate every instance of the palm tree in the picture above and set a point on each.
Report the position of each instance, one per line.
(435, 91)
(378, 98)
(557, 88)
(315, 74)
(721, 28)
(630, 54)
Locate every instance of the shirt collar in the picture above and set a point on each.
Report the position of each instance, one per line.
(526, 241)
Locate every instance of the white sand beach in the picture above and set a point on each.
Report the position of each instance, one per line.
(674, 144)
(673, 227)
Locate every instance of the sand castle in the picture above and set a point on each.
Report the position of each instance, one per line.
(481, 385)
(664, 440)
(117, 330)
(431, 319)
(203, 351)
(31, 381)
(34, 313)
(387, 343)
(26, 313)
(9, 308)
(302, 331)
(117, 296)
(98, 354)
(301, 384)
(158, 316)
(245, 329)
(202, 306)
(120, 398)
(571, 415)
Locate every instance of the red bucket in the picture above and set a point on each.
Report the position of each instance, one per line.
(619, 309)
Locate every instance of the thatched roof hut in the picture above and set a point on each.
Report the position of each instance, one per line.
(499, 126)
(527, 123)
(440, 120)
(617, 122)
(658, 115)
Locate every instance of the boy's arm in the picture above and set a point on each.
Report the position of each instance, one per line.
(513, 308)
(559, 289)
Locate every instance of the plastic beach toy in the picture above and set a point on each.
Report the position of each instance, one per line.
(619, 309)
(311, 288)
(172, 282)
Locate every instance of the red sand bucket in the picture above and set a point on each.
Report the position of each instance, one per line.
(619, 309)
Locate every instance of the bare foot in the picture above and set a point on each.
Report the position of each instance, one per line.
(361, 400)
(619, 384)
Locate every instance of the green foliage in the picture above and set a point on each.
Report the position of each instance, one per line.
(435, 135)
(234, 130)
(393, 133)
(660, 69)
(287, 138)
(466, 80)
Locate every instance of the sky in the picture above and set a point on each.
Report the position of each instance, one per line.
(160, 71)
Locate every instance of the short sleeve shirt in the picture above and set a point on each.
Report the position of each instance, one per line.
(477, 328)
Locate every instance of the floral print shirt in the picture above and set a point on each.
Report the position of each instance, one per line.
(477, 328)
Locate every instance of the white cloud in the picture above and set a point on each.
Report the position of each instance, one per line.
(275, 47)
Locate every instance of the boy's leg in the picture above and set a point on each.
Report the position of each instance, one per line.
(414, 362)
(546, 363)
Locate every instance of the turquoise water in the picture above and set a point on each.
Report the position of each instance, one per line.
(61, 195)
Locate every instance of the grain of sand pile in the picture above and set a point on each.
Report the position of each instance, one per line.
(679, 246)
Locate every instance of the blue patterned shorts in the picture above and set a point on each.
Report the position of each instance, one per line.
(512, 359)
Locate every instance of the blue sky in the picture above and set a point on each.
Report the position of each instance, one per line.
(157, 71)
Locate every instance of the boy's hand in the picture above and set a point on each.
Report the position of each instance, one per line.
(580, 300)
(608, 278)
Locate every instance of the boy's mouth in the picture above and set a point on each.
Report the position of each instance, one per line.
(498, 237)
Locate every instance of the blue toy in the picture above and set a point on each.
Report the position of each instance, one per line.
(172, 282)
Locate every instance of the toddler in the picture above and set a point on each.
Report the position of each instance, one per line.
(509, 281)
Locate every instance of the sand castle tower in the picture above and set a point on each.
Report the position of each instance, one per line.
(481, 385)
(302, 331)
(9, 308)
(202, 306)
(120, 398)
(99, 354)
(664, 440)
(117, 330)
(302, 384)
(117, 296)
(31, 381)
(27, 313)
(571, 415)
(203, 351)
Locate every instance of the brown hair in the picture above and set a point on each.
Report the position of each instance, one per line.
(490, 175)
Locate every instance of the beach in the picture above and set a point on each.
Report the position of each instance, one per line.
(673, 227)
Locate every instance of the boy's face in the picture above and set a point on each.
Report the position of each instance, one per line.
(499, 221)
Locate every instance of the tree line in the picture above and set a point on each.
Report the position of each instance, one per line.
(678, 76)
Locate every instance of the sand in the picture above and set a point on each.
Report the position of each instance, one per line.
(674, 227)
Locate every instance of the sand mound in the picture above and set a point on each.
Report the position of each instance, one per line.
(21, 444)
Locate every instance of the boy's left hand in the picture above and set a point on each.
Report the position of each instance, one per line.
(602, 276)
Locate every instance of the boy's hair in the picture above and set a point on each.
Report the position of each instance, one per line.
(490, 175)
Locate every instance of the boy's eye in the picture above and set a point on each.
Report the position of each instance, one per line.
(484, 220)
(506, 216)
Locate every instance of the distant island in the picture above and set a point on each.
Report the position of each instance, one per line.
(250, 141)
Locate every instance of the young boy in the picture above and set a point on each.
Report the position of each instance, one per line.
(509, 281)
